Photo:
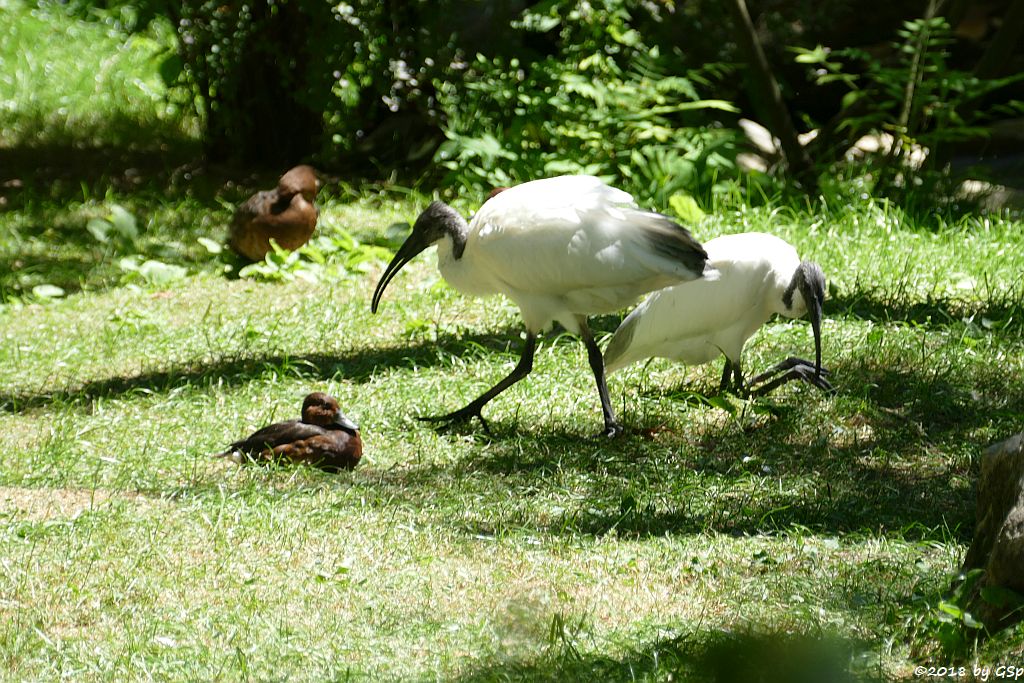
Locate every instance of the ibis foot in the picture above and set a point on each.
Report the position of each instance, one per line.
(611, 431)
(790, 369)
(461, 416)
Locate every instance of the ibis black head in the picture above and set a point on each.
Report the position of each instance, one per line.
(436, 221)
(809, 280)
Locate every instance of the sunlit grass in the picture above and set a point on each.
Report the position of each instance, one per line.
(537, 552)
(796, 532)
(67, 81)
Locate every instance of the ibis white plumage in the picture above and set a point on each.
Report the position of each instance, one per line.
(759, 275)
(561, 248)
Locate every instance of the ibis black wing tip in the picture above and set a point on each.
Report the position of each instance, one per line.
(671, 240)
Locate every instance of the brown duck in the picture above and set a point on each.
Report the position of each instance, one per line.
(323, 438)
(285, 214)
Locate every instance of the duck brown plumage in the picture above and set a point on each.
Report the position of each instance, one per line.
(287, 214)
(324, 438)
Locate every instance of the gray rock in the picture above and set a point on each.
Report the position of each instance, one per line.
(998, 545)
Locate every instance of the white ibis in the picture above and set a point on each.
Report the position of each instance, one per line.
(562, 249)
(694, 322)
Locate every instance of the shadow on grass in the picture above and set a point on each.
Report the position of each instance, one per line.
(900, 464)
(705, 656)
(898, 461)
(60, 172)
(1004, 309)
(358, 367)
(149, 163)
(652, 499)
(49, 192)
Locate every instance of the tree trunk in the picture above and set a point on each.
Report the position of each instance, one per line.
(263, 115)
(764, 89)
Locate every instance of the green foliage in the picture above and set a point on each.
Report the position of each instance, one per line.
(686, 208)
(918, 97)
(327, 257)
(117, 228)
(604, 103)
(948, 625)
(65, 81)
(644, 94)
(150, 272)
(597, 98)
(955, 628)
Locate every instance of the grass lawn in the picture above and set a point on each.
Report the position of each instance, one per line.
(536, 552)
(716, 540)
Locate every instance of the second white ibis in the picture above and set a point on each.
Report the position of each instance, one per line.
(759, 275)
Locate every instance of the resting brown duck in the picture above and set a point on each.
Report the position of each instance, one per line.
(285, 214)
(323, 438)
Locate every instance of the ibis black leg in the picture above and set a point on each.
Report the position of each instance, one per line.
(612, 427)
(521, 370)
(732, 378)
(786, 371)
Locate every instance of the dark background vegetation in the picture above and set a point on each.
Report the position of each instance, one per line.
(476, 94)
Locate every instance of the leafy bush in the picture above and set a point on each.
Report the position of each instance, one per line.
(916, 96)
(327, 257)
(564, 86)
(283, 80)
(603, 102)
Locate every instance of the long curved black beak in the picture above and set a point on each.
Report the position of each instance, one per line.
(815, 311)
(813, 291)
(412, 246)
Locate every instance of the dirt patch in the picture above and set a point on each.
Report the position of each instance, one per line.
(42, 504)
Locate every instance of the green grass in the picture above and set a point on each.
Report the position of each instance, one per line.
(71, 83)
(536, 552)
(798, 532)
